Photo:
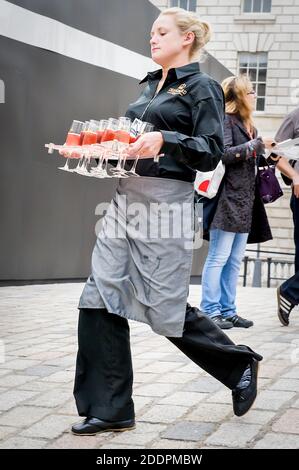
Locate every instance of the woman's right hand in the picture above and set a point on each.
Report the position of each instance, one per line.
(268, 142)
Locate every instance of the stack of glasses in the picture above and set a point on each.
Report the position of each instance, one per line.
(94, 143)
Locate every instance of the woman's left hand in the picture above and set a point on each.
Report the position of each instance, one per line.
(148, 145)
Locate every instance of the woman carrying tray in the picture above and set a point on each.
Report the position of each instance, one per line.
(144, 275)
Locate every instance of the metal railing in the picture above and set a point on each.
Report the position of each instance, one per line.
(263, 267)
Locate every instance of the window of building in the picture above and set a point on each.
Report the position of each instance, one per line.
(255, 66)
(186, 4)
(257, 6)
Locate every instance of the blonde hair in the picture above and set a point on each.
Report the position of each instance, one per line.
(235, 92)
(187, 21)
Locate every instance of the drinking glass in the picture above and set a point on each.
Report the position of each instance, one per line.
(80, 155)
(89, 139)
(122, 136)
(101, 170)
(72, 140)
(138, 128)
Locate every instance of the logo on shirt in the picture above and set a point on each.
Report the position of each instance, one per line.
(180, 90)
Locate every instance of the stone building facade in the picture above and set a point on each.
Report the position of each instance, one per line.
(260, 38)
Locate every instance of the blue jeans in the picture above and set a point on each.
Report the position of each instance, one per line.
(220, 273)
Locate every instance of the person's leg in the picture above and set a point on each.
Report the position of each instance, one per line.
(230, 274)
(104, 375)
(206, 345)
(229, 282)
(219, 251)
(290, 289)
(295, 210)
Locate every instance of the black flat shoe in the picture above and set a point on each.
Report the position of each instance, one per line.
(91, 426)
(244, 395)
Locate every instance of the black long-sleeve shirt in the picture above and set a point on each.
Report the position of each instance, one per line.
(189, 112)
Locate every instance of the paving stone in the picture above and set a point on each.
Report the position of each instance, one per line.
(140, 364)
(5, 372)
(41, 371)
(289, 422)
(152, 390)
(23, 416)
(173, 444)
(278, 441)
(292, 374)
(216, 447)
(176, 356)
(143, 434)
(7, 431)
(50, 399)
(191, 367)
(49, 427)
(140, 377)
(272, 400)
(207, 412)
(23, 443)
(69, 408)
(176, 378)
(285, 384)
(62, 376)
(164, 413)
(12, 398)
(183, 399)
(189, 431)
(203, 384)
(38, 386)
(270, 370)
(70, 441)
(21, 364)
(62, 362)
(47, 355)
(136, 439)
(159, 367)
(15, 380)
(286, 338)
(223, 396)
(255, 417)
(141, 403)
(234, 435)
(119, 446)
(155, 355)
(295, 404)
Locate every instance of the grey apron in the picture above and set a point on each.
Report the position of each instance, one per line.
(141, 262)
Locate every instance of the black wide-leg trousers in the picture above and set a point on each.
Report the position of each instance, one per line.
(104, 374)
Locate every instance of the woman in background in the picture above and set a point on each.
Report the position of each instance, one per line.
(240, 210)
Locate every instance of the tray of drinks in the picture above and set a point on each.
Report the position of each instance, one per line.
(77, 151)
(95, 143)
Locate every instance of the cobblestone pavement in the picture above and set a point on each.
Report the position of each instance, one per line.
(178, 405)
